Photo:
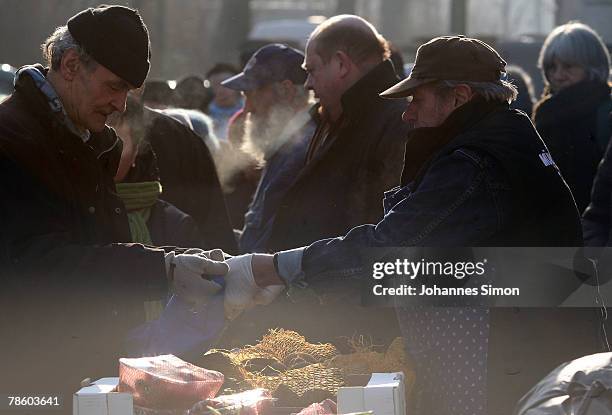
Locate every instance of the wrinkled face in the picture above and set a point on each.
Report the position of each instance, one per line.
(323, 78)
(93, 95)
(426, 108)
(260, 102)
(224, 97)
(560, 75)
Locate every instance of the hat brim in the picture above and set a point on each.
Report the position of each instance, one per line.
(405, 87)
(241, 82)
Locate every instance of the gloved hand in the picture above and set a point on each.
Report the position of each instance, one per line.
(214, 254)
(241, 291)
(188, 275)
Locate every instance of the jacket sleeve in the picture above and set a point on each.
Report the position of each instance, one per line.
(596, 217)
(453, 206)
(556, 142)
(171, 226)
(37, 244)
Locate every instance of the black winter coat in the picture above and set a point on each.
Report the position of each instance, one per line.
(597, 218)
(68, 294)
(189, 178)
(169, 225)
(343, 185)
(568, 122)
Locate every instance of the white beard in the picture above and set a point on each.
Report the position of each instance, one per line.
(263, 137)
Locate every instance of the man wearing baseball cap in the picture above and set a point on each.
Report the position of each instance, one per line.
(73, 285)
(278, 129)
(476, 173)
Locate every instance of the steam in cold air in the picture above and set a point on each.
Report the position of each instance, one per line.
(263, 136)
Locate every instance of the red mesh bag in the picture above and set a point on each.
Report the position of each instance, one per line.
(326, 407)
(251, 402)
(167, 382)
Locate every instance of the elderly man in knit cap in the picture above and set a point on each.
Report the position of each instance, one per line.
(73, 286)
(476, 173)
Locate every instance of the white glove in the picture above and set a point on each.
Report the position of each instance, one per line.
(188, 275)
(241, 291)
(214, 254)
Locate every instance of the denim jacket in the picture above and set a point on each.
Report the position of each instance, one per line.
(487, 181)
(491, 182)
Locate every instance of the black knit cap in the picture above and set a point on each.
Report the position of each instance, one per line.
(117, 38)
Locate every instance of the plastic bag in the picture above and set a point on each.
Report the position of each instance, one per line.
(181, 329)
(251, 402)
(167, 382)
(326, 407)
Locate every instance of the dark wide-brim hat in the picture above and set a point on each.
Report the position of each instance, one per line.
(450, 58)
(272, 63)
(117, 38)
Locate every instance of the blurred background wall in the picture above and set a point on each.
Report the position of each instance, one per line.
(189, 36)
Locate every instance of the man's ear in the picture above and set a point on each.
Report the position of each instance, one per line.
(463, 93)
(70, 65)
(344, 63)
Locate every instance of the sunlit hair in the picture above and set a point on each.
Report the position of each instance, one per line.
(56, 45)
(501, 91)
(361, 43)
(521, 79)
(575, 43)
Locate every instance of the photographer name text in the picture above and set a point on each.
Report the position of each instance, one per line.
(411, 270)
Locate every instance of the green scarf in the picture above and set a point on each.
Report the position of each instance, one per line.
(138, 199)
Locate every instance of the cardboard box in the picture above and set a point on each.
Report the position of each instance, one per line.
(384, 395)
(101, 398)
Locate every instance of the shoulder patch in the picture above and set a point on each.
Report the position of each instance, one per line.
(546, 158)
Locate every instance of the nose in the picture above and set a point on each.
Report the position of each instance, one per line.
(248, 102)
(308, 84)
(409, 115)
(119, 101)
(557, 73)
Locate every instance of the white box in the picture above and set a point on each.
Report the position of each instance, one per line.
(102, 398)
(384, 395)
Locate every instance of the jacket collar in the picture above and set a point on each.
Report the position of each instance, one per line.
(364, 91)
(38, 74)
(574, 102)
(424, 143)
(31, 83)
